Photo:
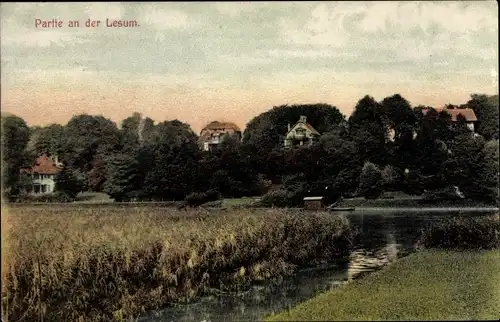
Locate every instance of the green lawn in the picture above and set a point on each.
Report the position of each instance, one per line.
(429, 285)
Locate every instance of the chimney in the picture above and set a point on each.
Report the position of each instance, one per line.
(288, 127)
(303, 119)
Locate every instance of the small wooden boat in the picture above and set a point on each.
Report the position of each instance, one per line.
(342, 209)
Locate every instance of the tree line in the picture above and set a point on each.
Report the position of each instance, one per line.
(386, 145)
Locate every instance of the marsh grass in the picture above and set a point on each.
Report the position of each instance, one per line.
(478, 232)
(104, 264)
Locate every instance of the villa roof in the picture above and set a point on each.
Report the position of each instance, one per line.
(303, 121)
(44, 165)
(217, 125)
(467, 113)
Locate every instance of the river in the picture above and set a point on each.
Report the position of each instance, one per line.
(384, 238)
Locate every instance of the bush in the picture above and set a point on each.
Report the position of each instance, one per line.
(370, 181)
(390, 177)
(462, 233)
(275, 198)
(196, 199)
(67, 182)
(51, 197)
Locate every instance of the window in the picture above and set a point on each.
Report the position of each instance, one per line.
(36, 188)
(36, 176)
(44, 188)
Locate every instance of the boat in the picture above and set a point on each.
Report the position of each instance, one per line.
(342, 209)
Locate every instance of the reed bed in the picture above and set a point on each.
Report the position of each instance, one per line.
(105, 264)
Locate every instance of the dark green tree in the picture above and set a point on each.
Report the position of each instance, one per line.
(486, 109)
(14, 140)
(267, 131)
(85, 137)
(368, 129)
(370, 181)
(175, 157)
(68, 183)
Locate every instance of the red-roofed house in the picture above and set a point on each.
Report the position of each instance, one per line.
(302, 133)
(43, 174)
(467, 113)
(214, 133)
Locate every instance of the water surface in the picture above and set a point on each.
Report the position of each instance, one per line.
(384, 238)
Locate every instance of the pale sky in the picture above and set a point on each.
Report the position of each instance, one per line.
(199, 62)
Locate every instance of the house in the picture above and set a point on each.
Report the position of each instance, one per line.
(43, 173)
(214, 133)
(467, 113)
(302, 133)
(314, 203)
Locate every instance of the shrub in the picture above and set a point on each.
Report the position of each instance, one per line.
(50, 197)
(275, 198)
(390, 177)
(370, 181)
(462, 233)
(196, 199)
(67, 182)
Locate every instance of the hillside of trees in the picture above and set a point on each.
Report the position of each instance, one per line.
(144, 160)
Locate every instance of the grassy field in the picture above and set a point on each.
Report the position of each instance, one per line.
(112, 263)
(429, 285)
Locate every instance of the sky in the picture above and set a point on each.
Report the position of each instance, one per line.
(199, 62)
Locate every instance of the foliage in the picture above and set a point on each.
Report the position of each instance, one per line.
(175, 156)
(370, 181)
(131, 260)
(196, 199)
(391, 177)
(58, 196)
(486, 109)
(67, 182)
(462, 233)
(87, 136)
(47, 140)
(369, 131)
(265, 132)
(144, 161)
(14, 140)
(275, 198)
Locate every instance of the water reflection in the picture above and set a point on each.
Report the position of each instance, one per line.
(384, 238)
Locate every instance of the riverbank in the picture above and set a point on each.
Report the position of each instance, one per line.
(428, 285)
(414, 203)
(98, 264)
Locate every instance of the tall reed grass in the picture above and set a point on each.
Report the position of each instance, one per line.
(105, 264)
(478, 232)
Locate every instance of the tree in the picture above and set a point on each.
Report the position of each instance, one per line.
(67, 182)
(174, 170)
(339, 165)
(125, 177)
(234, 175)
(486, 109)
(266, 132)
(370, 181)
(475, 169)
(368, 129)
(135, 130)
(14, 140)
(87, 135)
(401, 120)
(47, 140)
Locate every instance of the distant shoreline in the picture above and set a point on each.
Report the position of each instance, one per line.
(357, 209)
